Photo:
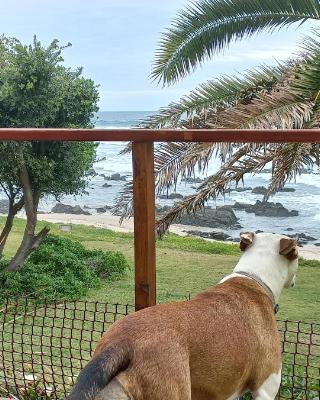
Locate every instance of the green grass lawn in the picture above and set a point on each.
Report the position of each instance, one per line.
(185, 266)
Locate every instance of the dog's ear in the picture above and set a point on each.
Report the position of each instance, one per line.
(289, 248)
(246, 240)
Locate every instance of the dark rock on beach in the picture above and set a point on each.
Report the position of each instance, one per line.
(162, 209)
(242, 189)
(61, 208)
(221, 217)
(106, 185)
(211, 235)
(171, 196)
(116, 177)
(287, 190)
(303, 237)
(102, 210)
(266, 209)
(260, 190)
(92, 172)
(192, 180)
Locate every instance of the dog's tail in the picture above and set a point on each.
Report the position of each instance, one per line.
(100, 371)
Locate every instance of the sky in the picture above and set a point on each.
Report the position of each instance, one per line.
(115, 41)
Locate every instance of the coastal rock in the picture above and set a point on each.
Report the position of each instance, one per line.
(106, 185)
(260, 190)
(162, 209)
(287, 190)
(4, 206)
(101, 210)
(221, 217)
(266, 209)
(171, 196)
(242, 189)
(68, 209)
(92, 172)
(116, 177)
(263, 190)
(303, 237)
(211, 235)
(192, 180)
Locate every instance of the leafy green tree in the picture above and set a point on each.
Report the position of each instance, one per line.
(36, 90)
(284, 96)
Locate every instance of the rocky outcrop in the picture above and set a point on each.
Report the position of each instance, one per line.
(116, 177)
(287, 190)
(303, 238)
(171, 196)
(192, 180)
(260, 190)
(102, 210)
(242, 189)
(61, 208)
(92, 172)
(266, 209)
(211, 235)
(221, 217)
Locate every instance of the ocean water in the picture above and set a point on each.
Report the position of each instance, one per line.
(306, 198)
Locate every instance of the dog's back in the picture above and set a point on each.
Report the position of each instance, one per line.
(219, 344)
(216, 346)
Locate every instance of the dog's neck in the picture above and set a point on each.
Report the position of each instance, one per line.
(271, 275)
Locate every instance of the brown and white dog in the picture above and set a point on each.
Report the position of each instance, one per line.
(217, 346)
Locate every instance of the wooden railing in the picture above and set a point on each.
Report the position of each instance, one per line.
(144, 181)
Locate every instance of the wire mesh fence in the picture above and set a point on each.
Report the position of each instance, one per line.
(43, 348)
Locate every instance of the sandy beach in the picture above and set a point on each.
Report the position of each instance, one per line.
(108, 221)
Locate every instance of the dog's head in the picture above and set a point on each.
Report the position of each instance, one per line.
(281, 250)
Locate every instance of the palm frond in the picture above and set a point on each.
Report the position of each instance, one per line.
(174, 160)
(306, 82)
(233, 171)
(221, 92)
(288, 162)
(207, 27)
(171, 161)
(124, 202)
(279, 109)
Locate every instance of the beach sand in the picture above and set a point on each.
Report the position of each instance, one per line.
(108, 221)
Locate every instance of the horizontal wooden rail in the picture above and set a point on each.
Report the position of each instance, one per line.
(163, 135)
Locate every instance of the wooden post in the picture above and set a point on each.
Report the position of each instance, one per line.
(144, 224)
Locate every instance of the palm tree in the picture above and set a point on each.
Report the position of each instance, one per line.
(207, 27)
(286, 96)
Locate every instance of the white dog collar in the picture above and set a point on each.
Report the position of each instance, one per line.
(262, 284)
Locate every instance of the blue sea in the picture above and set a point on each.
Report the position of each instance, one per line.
(306, 198)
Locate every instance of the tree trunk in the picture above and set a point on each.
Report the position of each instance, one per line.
(13, 209)
(30, 241)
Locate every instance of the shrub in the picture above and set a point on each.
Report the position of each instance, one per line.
(61, 269)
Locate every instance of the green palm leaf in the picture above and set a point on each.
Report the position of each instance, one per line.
(220, 92)
(208, 26)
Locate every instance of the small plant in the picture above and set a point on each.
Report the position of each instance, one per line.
(61, 269)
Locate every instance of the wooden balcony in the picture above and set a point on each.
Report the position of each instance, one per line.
(144, 179)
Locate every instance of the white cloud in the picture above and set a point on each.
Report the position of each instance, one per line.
(261, 54)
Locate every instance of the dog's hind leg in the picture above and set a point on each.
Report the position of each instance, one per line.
(269, 389)
(113, 391)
